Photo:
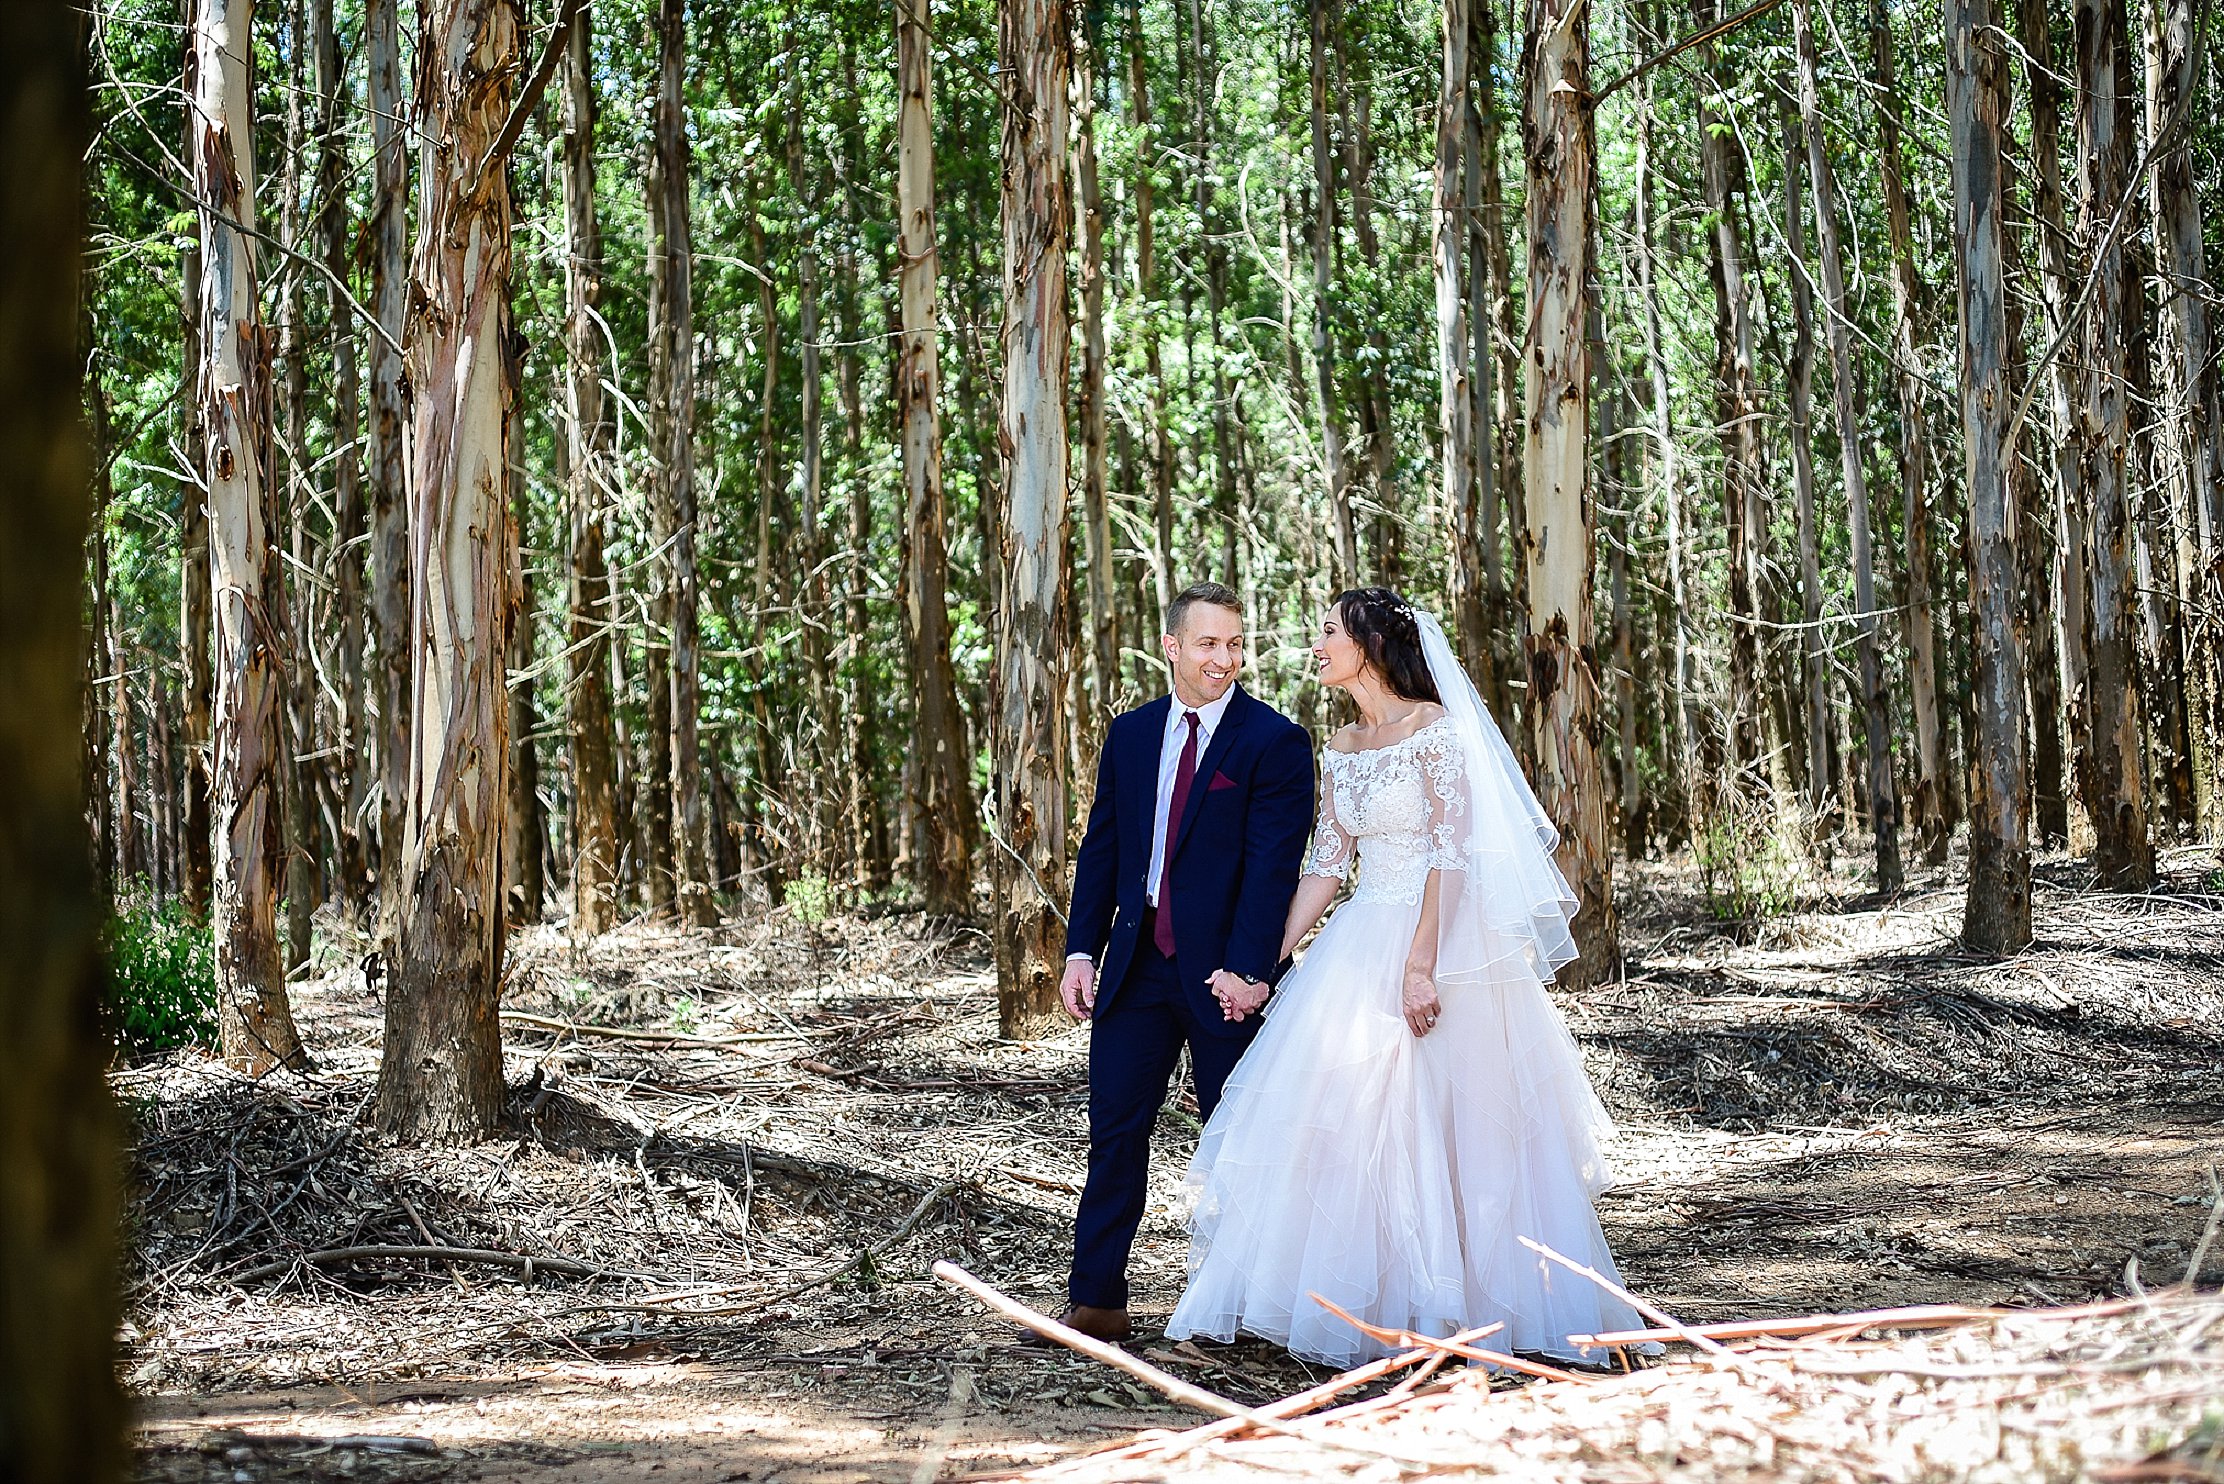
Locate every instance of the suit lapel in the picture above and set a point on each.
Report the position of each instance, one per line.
(1231, 721)
(1142, 795)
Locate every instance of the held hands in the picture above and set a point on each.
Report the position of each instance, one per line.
(1079, 988)
(1237, 998)
(1419, 997)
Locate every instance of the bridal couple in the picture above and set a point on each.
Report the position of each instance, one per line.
(1389, 1118)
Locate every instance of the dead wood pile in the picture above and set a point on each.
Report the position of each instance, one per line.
(2117, 1392)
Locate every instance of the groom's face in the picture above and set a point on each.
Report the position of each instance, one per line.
(1205, 654)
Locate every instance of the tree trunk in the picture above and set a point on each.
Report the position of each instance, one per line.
(1344, 528)
(1685, 663)
(347, 464)
(1997, 918)
(1146, 292)
(1448, 236)
(1511, 610)
(2066, 577)
(254, 1018)
(1738, 416)
(672, 427)
(1559, 542)
(194, 614)
(1814, 659)
(945, 782)
(1928, 806)
(441, 1078)
(1029, 867)
(1104, 653)
(389, 495)
(524, 883)
(1884, 793)
(1482, 594)
(809, 484)
(2112, 779)
(62, 1415)
(594, 879)
(2196, 388)
(293, 502)
(867, 826)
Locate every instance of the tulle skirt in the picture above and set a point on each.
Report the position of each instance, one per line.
(1395, 1175)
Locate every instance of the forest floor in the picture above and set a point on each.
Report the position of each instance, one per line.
(735, 1153)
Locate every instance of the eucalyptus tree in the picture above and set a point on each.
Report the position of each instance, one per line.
(441, 1074)
(1560, 152)
(1997, 917)
(1884, 796)
(2112, 773)
(254, 1017)
(590, 458)
(62, 1414)
(1029, 721)
(672, 458)
(945, 787)
(389, 556)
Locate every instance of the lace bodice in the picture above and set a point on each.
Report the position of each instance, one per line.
(1396, 809)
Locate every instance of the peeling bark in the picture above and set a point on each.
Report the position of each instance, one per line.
(254, 1019)
(945, 789)
(1997, 917)
(1028, 869)
(2111, 778)
(1559, 539)
(441, 1077)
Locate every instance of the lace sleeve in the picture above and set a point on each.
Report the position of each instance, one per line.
(1443, 761)
(1332, 848)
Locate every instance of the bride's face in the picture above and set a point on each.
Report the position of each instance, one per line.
(1339, 656)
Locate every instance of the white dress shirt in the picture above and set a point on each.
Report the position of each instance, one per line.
(1169, 764)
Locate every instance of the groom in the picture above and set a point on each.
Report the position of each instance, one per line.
(1204, 801)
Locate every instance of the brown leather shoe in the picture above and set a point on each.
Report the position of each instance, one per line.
(1109, 1325)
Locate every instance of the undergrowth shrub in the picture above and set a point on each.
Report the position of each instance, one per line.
(1751, 859)
(161, 975)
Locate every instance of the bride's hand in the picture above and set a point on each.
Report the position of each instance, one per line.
(1421, 1004)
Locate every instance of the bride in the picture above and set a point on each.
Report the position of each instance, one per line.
(1413, 1105)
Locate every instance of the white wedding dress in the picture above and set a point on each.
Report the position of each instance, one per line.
(1395, 1174)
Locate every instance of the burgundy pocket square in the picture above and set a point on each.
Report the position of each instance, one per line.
(1220, 780)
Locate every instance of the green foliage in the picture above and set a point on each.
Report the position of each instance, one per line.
(161, 975)
(811, 897)
(1750, 863)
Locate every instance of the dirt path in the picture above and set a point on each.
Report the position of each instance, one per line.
(1842, 1113)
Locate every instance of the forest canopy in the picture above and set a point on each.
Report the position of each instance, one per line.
(616, 457)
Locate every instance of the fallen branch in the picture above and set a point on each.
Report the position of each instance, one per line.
(563, 1266)
(1450, 1347)
(653, 1038)
(1683, 1331)
(1916, 1316)
(1290, 1406)
(1142, 1370)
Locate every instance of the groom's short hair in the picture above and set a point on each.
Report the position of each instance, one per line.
(1177, 612)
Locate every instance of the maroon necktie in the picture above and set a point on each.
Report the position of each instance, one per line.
(1162, 930)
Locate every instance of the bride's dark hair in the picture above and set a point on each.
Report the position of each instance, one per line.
(1383, 625)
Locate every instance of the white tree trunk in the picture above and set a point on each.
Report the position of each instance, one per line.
(1560, 519)
(1029, 865)
(255, 1020)
(442, 1073)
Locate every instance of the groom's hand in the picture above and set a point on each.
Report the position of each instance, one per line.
(1238, 997)
(1079, 988)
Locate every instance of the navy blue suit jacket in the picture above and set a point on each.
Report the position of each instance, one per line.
(1235, 857)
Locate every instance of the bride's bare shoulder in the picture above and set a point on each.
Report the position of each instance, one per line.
(1346, 738)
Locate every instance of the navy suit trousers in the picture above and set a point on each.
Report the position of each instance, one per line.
(1133, 1050)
